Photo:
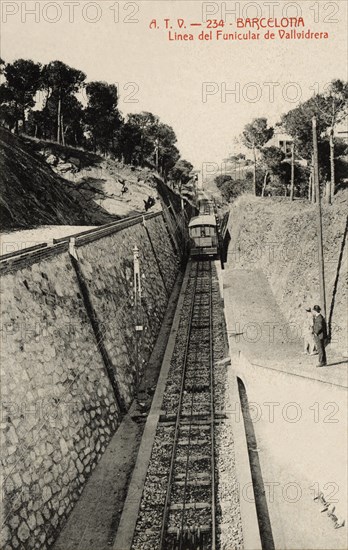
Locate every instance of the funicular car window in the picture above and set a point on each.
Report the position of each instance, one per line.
(208, 231)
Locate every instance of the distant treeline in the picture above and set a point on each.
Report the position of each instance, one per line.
(286, 166)
(42, 101)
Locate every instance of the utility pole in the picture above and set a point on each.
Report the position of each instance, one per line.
(313, 190)
(59, 117)
(254, 151)
(292, 171)
(137, 311)
(319, 217)
(156, 151)
(310, 186)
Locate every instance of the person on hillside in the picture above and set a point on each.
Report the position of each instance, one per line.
(308, 334)
(124, 187)
(149, 203)
(320, 335)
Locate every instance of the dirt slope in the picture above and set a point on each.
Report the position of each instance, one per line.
(43, 183)
(280, 239)
(118, 188)
(31, 194)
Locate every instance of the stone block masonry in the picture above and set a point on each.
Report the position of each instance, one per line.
(59, 406)
(107, 267)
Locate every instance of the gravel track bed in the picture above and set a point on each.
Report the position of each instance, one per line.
(192, 518)
(196, 464)
(229, 523)
(195, 432)
(191, 494)
(154, 492)
(195, 454)
(220, 378)
(192, 459)
(149, 522)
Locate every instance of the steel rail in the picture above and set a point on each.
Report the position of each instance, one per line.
(198, 305)
(177, 422)
(189, 442)
(212, 418)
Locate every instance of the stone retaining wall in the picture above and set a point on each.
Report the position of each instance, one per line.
(59, 404)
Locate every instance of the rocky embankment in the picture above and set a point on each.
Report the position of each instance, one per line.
(279, 238)
(32, 194)
(43, 183)
(118, 188)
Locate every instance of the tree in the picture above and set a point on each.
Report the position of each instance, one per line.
(324, 150)
(333, 106)
(255, 136)
(130, 142)
(165, 150)
(329, 109)
(221, 179)
(145, 125)
(60, 82)
(141, 140)
(102, 116)
(73, 118)
(36, 124)
(145, 139)
(298, 124)
(231, 189)
(22, 83)
(181, 172)
(250, 176)
(237, 161)
(169, 157)
(236, 158)
(272, 159)
(8, 111)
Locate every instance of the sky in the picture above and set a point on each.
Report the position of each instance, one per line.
(186, 83)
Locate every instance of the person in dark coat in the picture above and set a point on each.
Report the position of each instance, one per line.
(320, 335)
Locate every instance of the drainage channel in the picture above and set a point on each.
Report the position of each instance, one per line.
(262, 511)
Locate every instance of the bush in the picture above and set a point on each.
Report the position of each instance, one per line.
(231, 189)
(222, 179)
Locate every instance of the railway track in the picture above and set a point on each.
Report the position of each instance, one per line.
(178, 507)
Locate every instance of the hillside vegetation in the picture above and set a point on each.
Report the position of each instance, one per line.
(44, 183)
(138, 139)
(119, 188)
(280, 239)
(31, 194)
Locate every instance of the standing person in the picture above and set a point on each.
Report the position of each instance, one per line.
(320, 335)
(308, 335)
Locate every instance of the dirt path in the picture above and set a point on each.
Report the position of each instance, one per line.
(262, 333)
(16, 241)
